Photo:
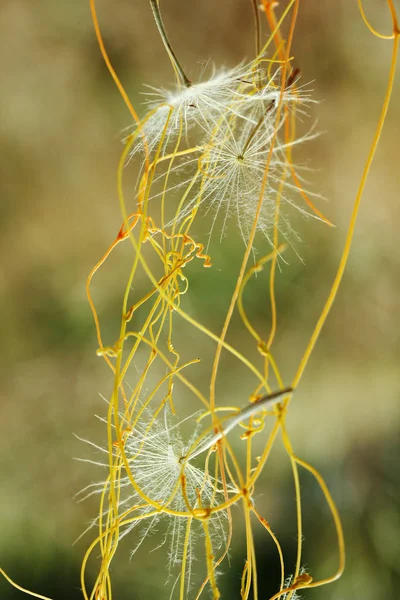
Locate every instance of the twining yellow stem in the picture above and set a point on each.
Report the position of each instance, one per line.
(249, 247)
(336, 519)
(350, 233)
(372, 29)
(184, 559)
(117, 81)
(274, 263)
(255, 269)
(210, 562)
(20, 588)
(295, 471)
(257, 25)
(266, 525)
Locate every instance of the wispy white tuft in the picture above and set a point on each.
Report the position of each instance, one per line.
(154, 451)
(219, 135)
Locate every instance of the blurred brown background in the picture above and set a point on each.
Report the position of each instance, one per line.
(61, 121)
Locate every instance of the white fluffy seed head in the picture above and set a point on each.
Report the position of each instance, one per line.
(154, 449)
(177, 111)
(219, 138)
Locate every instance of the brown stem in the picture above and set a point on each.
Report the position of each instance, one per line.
(161, 29)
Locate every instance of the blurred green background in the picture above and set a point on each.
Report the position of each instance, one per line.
(60, 130)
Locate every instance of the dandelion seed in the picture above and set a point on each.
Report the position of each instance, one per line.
(198, 105)
(236, 145)
(154, 451)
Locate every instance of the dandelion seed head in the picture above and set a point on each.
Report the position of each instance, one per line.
(154, 449)
(238, 150)
(238, 162)
(178, 110)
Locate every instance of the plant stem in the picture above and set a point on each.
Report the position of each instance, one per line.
(161, 29)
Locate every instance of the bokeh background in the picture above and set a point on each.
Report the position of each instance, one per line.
(60, 140)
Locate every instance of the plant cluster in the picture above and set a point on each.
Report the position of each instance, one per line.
(221, 147)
